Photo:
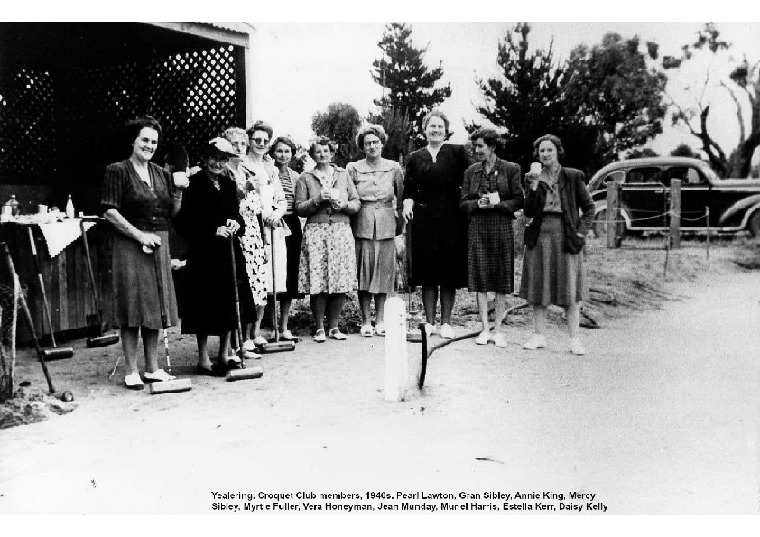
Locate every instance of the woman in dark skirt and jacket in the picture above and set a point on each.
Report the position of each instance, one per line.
(139, 199)
(553, 269)
(491, 194)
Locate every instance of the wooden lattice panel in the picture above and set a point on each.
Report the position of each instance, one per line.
(64, 126)
(196, 95)
(27, 130)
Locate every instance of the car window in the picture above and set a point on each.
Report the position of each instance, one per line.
(686, 174)
(644, 175)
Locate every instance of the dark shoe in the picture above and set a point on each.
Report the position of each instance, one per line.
(233, 364)
(213, 371)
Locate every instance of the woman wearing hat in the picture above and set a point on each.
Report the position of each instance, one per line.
(208, 218)
(139, 199)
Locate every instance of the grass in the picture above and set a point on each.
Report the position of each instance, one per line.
(621, 280)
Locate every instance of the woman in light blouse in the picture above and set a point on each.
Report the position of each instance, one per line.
(327, 198)
(282, 151)
(273, 206)
(379, 183)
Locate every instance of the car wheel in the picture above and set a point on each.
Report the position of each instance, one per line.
(754, 224)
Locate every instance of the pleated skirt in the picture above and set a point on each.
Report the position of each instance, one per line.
(491, 249)
(136, 298)
(376, 265)
(549, 275)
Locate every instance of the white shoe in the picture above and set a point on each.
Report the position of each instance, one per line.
(483, 338)
(159, 375)
(576, 347)
(446, 331)
(499, 340)
(249, 345)
(536, 342)
(429, 329)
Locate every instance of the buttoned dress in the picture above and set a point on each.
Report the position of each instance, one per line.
(439, 227)
(136, 290)
(379, 187)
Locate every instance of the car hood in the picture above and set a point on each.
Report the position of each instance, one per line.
(753, 183)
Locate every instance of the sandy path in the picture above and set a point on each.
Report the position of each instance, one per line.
(662, 416)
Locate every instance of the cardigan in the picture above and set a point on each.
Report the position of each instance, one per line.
(575, 198)
(316, 211)
(509, 188)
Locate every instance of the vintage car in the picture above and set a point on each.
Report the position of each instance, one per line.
(734, 204)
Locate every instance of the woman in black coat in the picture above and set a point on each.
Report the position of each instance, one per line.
(208, 218)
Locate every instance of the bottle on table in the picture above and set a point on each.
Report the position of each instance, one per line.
(70, 212)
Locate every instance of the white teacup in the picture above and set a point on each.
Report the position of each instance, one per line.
(493, 198)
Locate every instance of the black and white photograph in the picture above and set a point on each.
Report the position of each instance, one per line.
(306, 268)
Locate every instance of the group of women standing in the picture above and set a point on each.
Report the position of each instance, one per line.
(489, 193)
(243, 211)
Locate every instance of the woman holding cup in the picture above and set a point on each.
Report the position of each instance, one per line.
(327, 198)
(561, 209)
(491, 194)
(139, 199)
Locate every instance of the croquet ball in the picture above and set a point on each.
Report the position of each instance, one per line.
(67, 397)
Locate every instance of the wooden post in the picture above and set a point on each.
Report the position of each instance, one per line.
(707, 217)
(396, 356)
(613, 202)
(675, 213)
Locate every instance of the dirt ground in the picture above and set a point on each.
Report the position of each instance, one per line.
(660, 417)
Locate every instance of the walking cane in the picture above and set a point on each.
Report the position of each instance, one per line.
(276, 345)
(173, 385)
(243, 373)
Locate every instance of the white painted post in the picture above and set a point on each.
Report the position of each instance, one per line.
(396, 358)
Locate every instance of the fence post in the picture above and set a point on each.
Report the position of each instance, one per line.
(707, 217)
(613, 202)
(675, 213)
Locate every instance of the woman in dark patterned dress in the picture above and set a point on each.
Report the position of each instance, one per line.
(553, 269)
(139, 199)
(491, 194)
(432, 189)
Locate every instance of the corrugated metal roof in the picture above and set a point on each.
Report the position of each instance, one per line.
(239, 27)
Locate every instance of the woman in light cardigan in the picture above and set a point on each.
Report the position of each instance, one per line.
(327, 198)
